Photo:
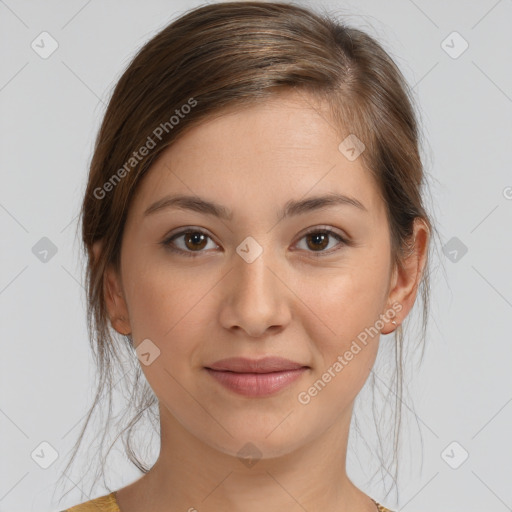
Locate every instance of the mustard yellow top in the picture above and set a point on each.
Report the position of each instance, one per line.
(108, 503)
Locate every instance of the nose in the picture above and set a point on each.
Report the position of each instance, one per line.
(256, 300)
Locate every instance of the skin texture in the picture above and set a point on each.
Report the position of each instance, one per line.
(287, 302)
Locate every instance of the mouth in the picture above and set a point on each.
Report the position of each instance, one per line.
(264, 365)
(256, 377)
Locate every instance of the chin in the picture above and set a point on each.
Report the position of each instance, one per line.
(259, 444)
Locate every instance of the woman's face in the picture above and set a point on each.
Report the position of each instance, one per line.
(254, 283)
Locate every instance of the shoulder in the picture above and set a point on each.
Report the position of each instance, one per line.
(105, 503)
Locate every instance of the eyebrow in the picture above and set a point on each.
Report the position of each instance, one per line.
(291, 208)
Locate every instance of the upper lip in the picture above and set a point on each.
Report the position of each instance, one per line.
(264, 365)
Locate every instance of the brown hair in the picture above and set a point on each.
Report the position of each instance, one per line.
(229, 55)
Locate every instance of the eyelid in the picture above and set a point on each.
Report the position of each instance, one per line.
(329, 229)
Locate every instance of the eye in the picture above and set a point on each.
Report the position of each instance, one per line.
(194, 240)
(317, 239)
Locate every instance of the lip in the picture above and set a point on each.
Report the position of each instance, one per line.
(256, 377)
(263, 365)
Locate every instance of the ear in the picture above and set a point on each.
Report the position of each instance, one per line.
(114, 296)
(406, 278)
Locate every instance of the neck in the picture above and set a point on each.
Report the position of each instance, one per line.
(191, 475)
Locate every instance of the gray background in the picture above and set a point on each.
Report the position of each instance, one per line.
(50, 112)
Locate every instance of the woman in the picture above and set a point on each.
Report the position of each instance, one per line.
(253, 221)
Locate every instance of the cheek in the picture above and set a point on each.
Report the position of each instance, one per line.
(348, 299)
(162, 299)
(345, 342)
(346, 304)
(175, 309)
(168, 307)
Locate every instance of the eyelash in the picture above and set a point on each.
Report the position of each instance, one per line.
(167, 243)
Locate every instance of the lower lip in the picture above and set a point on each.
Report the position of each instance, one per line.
(256, 384)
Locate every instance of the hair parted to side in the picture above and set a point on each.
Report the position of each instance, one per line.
(231, 55)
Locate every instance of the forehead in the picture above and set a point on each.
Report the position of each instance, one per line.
(285, 147)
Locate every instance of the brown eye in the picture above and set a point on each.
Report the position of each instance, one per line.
(319, 239)
(194, 241)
